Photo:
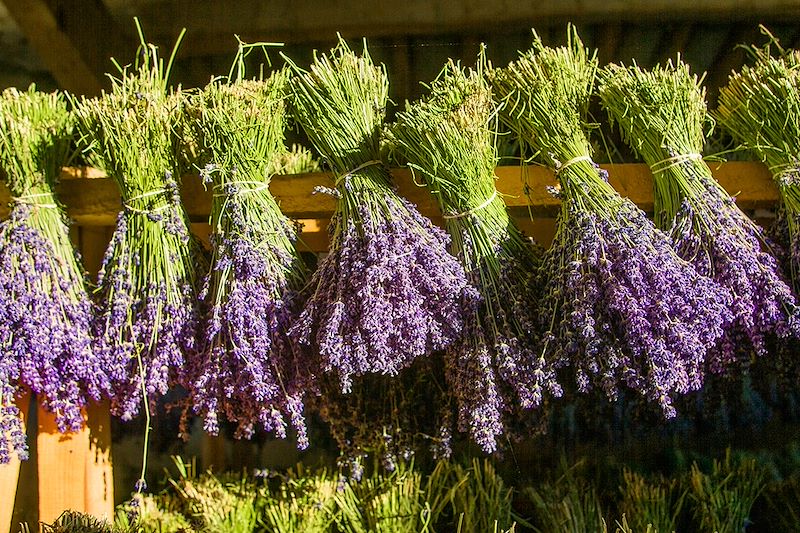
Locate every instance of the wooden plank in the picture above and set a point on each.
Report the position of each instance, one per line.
(62, 468)
(99, 486)
(210, 23)
(9, 476)
(91, 200)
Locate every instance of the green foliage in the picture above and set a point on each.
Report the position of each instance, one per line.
(650, 504)
(303, 503)
(569, 504)
(479, 498)
(75, 522)
(721, 500)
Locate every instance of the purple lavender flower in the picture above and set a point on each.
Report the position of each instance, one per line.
(622, 309)
(45, 342)
(148, 312)
(725, 245)
(249, 372)
(387, 293)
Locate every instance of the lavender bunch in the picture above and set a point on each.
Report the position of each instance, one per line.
(760, 109)
(661, 114)
(249, 372)
(148, 284)
(45, 319)
(619, 306)
(388, 292)
(449, 138)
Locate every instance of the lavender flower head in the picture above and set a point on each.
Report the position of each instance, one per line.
(248, 372)
(45, 329)
(388, 292)
(711, 232)
(45, 319)
(494, 370)
(148, 309)
(661, 113)
(148, 315)
(623, 310)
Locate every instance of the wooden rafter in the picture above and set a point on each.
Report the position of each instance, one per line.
(74, 39)
(210, 23)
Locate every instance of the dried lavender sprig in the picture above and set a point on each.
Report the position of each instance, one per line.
(661, 113)
(148, 284)
(760, 109)
(621, 308)
(248, 371)
(449, 138)
(388, 292)
(45, 319)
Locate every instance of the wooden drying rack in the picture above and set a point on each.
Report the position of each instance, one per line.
(74, 471)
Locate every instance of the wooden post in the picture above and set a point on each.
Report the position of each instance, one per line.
(9, 476)
(99, 473)
(62, 459)
(99, 488)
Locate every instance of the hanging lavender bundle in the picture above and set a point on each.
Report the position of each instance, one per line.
(45, 316)
(388, 292)
(619, 306)
(759, 109)
(148, 284)
(249, 372)
(449, 138)
(661, 114)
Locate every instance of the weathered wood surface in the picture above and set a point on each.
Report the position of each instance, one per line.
(93, 200)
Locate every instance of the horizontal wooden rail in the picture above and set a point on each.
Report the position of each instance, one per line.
(93, 200)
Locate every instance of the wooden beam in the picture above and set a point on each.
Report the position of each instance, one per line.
(93, 200)
(74, 39)
(211, 23)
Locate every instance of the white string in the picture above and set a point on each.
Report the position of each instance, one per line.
(155, 192)
(22, 200)
(259, 186)
(562, 167)
(359, 167)
(474, 209)
(655, 168)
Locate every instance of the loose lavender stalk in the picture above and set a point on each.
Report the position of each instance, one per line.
(148, 284)
(388, 292)
(661, 114)
(759, 109)
(45, 318)
(495, 368)
(620, 307)
(249, 372)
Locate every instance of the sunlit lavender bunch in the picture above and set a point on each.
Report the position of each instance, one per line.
(495, 368)
(388, 292)
(45, 316)
(619, 306)
(148, 284)
(248, 371)
(758, 108)
(661, 113)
